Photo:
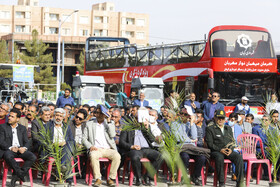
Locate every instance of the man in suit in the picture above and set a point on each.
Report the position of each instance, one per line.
(14, 144)
(61, 133)
(139, 144)
(220, 141)
(4, 111)
(141, 101)
(192, 103)
(171, 101)
(98, 138)
(36, 126)
(210, 107)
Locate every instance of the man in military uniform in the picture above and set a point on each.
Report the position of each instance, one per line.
(219, 139)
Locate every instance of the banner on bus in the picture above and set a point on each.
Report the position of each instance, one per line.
(23, 74)
(244, 65)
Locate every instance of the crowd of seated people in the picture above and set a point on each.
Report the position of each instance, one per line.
(100, 134)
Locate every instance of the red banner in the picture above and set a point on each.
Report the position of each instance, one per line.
(244, 65)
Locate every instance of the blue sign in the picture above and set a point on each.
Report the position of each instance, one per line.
(23, 74)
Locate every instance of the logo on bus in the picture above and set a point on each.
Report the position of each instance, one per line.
(138, 73)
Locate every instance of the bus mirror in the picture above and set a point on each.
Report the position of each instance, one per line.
(210, 83)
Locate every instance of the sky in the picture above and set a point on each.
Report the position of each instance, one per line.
(173, 21)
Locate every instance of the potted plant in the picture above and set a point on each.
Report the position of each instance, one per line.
(273, 152)
(171, 154)
(62, 172)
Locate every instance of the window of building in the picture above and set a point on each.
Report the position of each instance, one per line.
(66, 18)
(35, 4)
(53, 30)
(4, 14)
(83, 32)
(66, 31)
(140, 35)
(98, 19)
(22, 28)
(20, 14)
(128, 34)
(5, 28)
(97, 32)
(140, 22)
(54, 17)
(84, 20)
(105, 19)
(130, 21)
(111, 8)
(105, 33)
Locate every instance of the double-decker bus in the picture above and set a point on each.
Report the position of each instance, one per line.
(235, 61)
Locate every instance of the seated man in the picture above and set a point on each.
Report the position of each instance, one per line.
(138, 144)
(260, 130)
(61, 133)
(36, 126)
(98, 138)
(14, 144)
(186, 133)
(219, 139)
(77, 126)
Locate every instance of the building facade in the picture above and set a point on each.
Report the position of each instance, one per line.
(18, 21)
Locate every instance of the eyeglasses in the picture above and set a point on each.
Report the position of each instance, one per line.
(215, 96)
(3, 109)
(81, 119)
(31, 111)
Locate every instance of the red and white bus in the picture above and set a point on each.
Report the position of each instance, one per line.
(240, 59)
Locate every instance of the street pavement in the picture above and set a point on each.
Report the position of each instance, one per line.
(161, 183)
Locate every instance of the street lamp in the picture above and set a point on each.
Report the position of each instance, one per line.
(58, 53)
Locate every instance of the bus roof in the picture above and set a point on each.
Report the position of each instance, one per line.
(110, 39)
(236, 27)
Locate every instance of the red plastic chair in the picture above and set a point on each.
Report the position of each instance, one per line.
(131, 173)
(192, 163)
(46, 180)
(248, 145)
(212, 163)
(89, 173)
(6, 168)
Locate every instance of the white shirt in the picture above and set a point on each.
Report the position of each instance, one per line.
(79, 134)
(15, 137)
(155, 130)
(100, 140)
(58, 134)
(175, 104)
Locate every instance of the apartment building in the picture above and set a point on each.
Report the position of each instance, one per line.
(18, 21)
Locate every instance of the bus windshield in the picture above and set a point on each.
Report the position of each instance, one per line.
(235, 85)
(241, 44)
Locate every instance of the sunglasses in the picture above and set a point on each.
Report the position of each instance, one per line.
(215, 96)
(81, 119)
(3, 109)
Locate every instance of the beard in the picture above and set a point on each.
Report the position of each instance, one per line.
(57, 122)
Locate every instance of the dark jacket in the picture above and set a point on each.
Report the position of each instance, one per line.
(73, 128)
(6, 137)
(35, 129)
(127, 138)
(216, 140)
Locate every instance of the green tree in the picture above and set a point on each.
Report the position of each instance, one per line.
(5, 59)
(35, 54)
(80, 67)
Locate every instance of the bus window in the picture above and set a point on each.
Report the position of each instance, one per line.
(241, 44)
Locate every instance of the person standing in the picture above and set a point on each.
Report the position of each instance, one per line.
(98, 138)
(211, 107)
(243, 105)
(192, 103)
(65, 99)
(171, 101)
(219, 139)
(141, 101)
(14, 144)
